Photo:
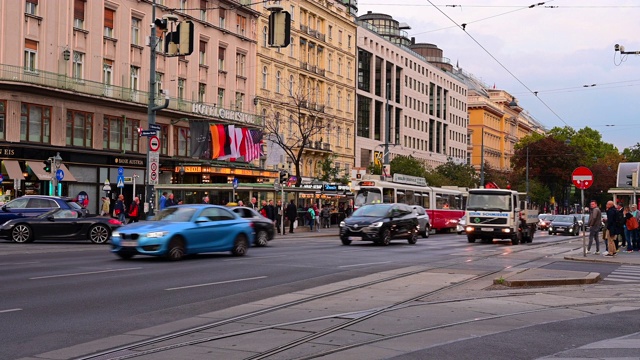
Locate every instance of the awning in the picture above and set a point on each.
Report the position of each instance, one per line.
(68, 176)
(37, 168)
(13, 169)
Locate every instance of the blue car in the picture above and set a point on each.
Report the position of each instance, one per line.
(183, 230)
(34, 205)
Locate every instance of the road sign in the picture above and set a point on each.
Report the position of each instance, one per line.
(148, 133)
(107, 186)
(1, 178)
(59, 174)
(582, 177)
(120, 171)
(154, 144)
(153, 169)
(235, 183)
(155, 127)
(120, 183)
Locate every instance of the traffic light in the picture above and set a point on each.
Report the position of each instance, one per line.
(284, 177)
(47, 165)
(279, 29)
(634, 179)
(180, 42)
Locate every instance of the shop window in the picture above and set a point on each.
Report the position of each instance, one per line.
(35, 123)
(120, 133)
(79, 128)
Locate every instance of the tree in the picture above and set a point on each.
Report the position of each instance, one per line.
(328, 169)
(463, 175)
(407, 165)
(305, 121)
(632, 154)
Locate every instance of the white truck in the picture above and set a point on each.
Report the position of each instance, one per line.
(499, 214)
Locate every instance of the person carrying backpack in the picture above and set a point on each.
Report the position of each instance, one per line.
(311, 217)
(631, 228)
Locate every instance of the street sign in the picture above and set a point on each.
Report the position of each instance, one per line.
(120, 171)
(120, 183)
(155, 127)
(154, 144)
(1, 178)
(148, 133)
(235, 183)
(107, 186)
(59, 174)
(582, 177)
(154, 167)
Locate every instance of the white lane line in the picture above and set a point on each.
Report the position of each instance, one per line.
(375, 263)
(22, 263)
(83, 273)
(215, 283)
(9, 310)
(256, 257)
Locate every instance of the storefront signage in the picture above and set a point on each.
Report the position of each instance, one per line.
(194, 169)
(127, 161)
(409, 180)
(7, 151)
(335, 187)
(225, 114)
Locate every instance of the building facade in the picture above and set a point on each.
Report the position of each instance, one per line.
(426, 106)
(306, 91)
(74, 79)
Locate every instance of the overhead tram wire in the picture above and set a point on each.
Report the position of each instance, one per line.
(501, 64)
(172, 10)
(508, 6)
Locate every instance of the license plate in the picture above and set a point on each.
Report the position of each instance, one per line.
(354, 238)
(132, 243)
(486, 229)
(561, 228)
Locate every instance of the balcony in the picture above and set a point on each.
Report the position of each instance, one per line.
(318, 146)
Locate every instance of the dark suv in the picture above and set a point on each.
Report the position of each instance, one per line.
(380, 223)
(32, 205)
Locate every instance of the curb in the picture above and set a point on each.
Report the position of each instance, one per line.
(541, 277)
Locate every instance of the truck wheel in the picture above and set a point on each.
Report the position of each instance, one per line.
(515, 240)
(471, 239)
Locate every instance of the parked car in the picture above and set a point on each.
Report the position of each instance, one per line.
(544, 221)
(264, 228)
(423, 220)
(183, 230)
(380, 223)
(564, 224)
(34, 205)
(462, 223)
(59, 224)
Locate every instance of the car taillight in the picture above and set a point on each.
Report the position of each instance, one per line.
(251, 224)
(114, 222)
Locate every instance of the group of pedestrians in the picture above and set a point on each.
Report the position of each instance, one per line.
(621, 230)
(121, 210)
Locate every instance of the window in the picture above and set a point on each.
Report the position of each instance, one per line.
(349, 41)
(340, 37)
(203, 10)
(135, 78)
(220, 97)
(330, 62)
(265, 36)
(348, 103)
(107, 76)
(3, 118)
(330, 32)
(159, 83)
(291, 45)
(241, 24)
(338, 100)
(79, 128)
(349, 70)
(135, 31)
(292, 11)
(278, 80)
(78, 14)
(239, 101)
(348, 138)
(183, 5)
(221, 52)
(164, 140)
(201, 92)
(339, 136)
(30, 55)
(108, 22)
(78, 64)
(222, 13)
(291, 83)
(181, 83)
(241, 59)
(182, 141)
(121, 134)
(31, 7)
(290, 125)
(328, 97)
(35, 123)
(202, 58)
(265, 74)
(340, 66)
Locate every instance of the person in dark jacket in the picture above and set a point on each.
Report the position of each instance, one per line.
(271, 212)
(612, 228)
(171, 201)
(134, 210)
(120, 208)
(292, 214)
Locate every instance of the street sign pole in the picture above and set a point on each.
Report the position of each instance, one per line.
(582, 178)
(584, 226)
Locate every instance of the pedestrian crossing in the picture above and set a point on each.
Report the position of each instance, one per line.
(625, 274)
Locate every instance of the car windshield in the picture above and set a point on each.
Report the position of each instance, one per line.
(564, 218)
(177, 214)
(368, 196)
(47, 214)
(489, 201)
(372, 211)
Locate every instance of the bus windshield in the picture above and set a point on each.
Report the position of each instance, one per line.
(367, 196)
(494, 202)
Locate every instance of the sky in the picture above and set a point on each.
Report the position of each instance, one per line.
(561, 49)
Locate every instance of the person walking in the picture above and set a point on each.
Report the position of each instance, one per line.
(254, 203)
(205, 200)
(279, 217)
(106, 205)
(170, 201)
(316, 214)
(120, 209)
(292, 214)
(272, 213)
(630, 229)
(311, 217)
(595, 225)
(612, 228)
(325, 213)
(163, 201)
(134, 210)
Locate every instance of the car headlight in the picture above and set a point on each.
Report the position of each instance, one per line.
(342, 224)
(376, 224)
(115, 234)
(156, 234)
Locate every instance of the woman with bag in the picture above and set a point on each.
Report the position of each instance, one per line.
(134, 210)
(120, 209)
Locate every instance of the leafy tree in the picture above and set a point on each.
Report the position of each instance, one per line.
(328, 169)
(407, 165)
(632, 154)
(458, 174)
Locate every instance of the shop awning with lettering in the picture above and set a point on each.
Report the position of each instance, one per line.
(13, 169)
(68, 176)
(37, 167)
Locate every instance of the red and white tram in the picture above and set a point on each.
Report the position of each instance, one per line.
(444, 206)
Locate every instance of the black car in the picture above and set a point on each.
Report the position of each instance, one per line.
(33, 205)
(59, 224)
(264, 228)
(380, 223)
(564, 224)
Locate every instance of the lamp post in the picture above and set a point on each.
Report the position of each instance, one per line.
(387, 130)
(482, 158)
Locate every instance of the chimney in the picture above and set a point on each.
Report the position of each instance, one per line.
(413, 40)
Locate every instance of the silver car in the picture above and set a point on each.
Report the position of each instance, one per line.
(423, 220)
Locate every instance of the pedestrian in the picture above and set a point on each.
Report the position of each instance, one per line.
(254, 203)
(170, 201)
(120, 209)
(106, 205)
(263, 209)
(205, 200)
(620, 239)
(636, 233)
(311, 217)
(279, 217)
(326, 216)
(134, 210)
(316, 214)
(292, 215)
(240, 203)
(612, 228)
(163, 201)
(630, 229)
(595, 225)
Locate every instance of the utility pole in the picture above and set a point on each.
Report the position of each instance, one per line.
(482, 159)
(387, 130)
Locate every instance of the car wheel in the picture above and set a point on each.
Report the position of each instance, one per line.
(515, 239)
(345, 241)
(413, 238)
(125, 255)
(426, 232)
(176, 249)
(385, 239)
(471, 239)
(262, 238)
(99, 234)
(550, 233)
(22, 233)
(240, 246)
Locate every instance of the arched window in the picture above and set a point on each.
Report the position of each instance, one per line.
(290, 125)
(339, 136)
(264, 115)
(348, 138)
(317, 101)
(338, 100)
(278, 80)
(348, 103)
(265, 73)
(291, 83)
(328, 97)
(349, 70)
(265, 34)
(308, 90)
(339, 66)
(329, 62)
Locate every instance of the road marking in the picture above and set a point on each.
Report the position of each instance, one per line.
(23, 263)
(9, 310)
(82, 273)
(256, 257)
(215, 283)
(365, 264)
(625, 273)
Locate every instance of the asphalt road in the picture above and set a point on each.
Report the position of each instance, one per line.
(55, 295)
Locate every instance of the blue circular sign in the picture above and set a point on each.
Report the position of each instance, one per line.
(120, 171)
(235, 183)
(59, 174)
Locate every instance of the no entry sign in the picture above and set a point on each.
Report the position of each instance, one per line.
(582, 177)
